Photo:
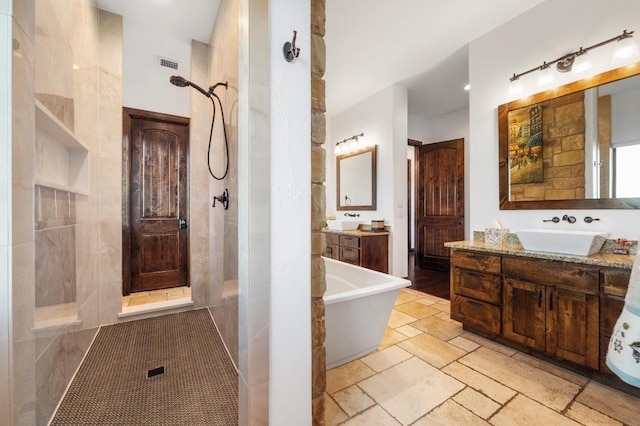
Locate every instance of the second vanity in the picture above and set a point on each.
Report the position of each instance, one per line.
(561, 307)
(362, 248)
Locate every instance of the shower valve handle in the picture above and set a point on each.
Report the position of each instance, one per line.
(224, 199)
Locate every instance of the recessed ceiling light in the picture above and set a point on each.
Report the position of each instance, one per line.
(467, 87)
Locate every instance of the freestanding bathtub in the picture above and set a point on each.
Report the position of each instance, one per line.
(358, 305)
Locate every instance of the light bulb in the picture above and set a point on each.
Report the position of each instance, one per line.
(581, 64)
(625, 49)
(362, 141)
(515, 87)
(353, 145)
(546, 76)
(338, 149)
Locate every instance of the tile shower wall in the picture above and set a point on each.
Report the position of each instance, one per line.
(55, 246)
(223, 224)
(55, 252)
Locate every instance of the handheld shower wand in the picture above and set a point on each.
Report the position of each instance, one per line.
(180, 81)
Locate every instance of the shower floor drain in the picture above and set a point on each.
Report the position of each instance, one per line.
(155, 371)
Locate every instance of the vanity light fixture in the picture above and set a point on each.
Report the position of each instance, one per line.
(577, 61)
(353, 143)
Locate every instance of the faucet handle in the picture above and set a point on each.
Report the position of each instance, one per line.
(590, 219)
(555, 219)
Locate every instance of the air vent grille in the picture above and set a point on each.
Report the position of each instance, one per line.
(169, 63)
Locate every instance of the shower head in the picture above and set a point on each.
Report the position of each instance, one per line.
(176, 80)
(179, 81)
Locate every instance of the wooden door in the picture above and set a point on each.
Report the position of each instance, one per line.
(439, 201)
(156, 238)
(523, 313)
(573, 326)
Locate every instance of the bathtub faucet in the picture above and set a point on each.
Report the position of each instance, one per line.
(352, 214)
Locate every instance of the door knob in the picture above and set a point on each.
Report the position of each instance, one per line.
(182, 223)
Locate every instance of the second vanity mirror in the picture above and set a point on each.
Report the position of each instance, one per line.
(573, 146)
(356, 180)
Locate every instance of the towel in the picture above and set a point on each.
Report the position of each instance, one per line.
(623, 353)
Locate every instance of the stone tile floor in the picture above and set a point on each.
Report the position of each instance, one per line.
(429, 371)
(143, 297)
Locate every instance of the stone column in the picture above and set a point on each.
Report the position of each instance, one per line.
(318, 204)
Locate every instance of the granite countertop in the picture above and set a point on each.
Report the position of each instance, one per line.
(599, 259)
(357, 232)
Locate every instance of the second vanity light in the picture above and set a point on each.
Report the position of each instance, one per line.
(353, 143)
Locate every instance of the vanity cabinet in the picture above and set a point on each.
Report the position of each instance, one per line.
(476, 290)
(367, 249)
(562, 309)
(552, 307)
(614, 283)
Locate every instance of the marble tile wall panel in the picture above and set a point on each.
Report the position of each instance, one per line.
(5, 129)
(55, 368)
(5, 346)
(84, 45)
(226, 318)
(51, 159)
(23, 14)
(223, 293)
(53, 208)
(24, 377)
(23, 291)
(22, 151)
(109, 157)
(61, 107)
(199, 200)
(87, 291)
(54, 58)
(55, 280)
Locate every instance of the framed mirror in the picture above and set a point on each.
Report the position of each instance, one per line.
(573, 147)
(356, 180)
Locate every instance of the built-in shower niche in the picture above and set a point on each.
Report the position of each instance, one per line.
(62, 160)
(55, 259)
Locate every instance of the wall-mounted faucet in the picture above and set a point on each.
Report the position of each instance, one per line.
(352, 214)
(570, 219)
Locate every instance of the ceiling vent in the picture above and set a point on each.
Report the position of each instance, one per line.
(169, 63)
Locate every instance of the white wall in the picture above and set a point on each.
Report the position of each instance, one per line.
(290, 126)
(513, 48)
(145, 83)
(383, 120)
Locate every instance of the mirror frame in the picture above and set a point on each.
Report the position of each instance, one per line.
(503, 146)
(374, 189)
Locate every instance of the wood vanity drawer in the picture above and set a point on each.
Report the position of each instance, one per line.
(350, 241)
(478, 285)
(480, 315)
(571, 275)
(615, 281)
(476, 261)
(350, 255)
(332, 238)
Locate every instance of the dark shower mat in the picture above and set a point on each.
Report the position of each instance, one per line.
(199, 385)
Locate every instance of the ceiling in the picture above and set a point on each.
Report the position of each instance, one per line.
(371, 44)
(171, 17)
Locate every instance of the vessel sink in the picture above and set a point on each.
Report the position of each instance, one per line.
(343, 225)
(581, 243)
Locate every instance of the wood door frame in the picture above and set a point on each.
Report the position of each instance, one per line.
(127, 115)
(460, 146)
